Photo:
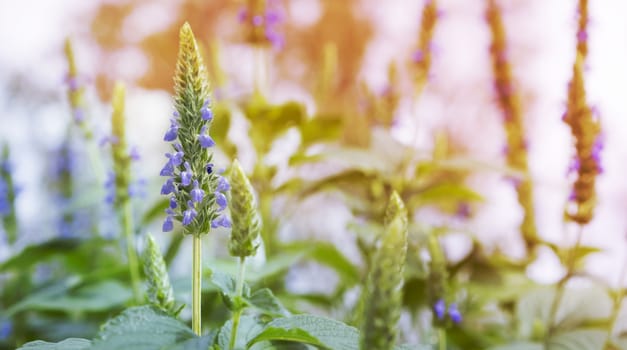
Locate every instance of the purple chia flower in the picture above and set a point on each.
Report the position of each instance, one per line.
(582, 35)
(220, 200)
(275, 39)
(209, 168)
(221, 221)
(197, 194)
(134, 154)
(6, 329)
(242, 14)
(439, 308)
(176, 158)
(205, 112)
(417, 56)
(186, 176)
(172, 132)
(137, 189)
(78, 115)
(173, 203)
(168, 187)
(574, 166)
(205, 140)
(454, 314)
(110, 188)
(168, 224)
(168, 169)
(223, 184)
(257, 21)
(189, 214)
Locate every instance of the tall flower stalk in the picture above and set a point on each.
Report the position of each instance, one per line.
(422, 56)
(585, 128)
(383, 302)
(120, 183)
(245, 232)
(8, 216)
(511, 108)
(195, 189)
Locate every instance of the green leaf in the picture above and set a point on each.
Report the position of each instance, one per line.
(264, 301)
(67, 344)
(199, 343)
(327, 254)
(581, 339)
(565, 254)
(34, 254)
(142, 328)
(227, 284)
(318, 331)
(247, 329)
(90, 298)
(520, 346)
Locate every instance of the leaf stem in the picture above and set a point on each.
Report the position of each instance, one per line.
(127, 226)
(238, 294)
(196, 284)
(561, 286)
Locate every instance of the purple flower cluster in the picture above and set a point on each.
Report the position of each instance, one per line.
(185, 186)
(439, 309)
(267, 22)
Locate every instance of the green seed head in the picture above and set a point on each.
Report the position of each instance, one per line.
(119, 152)
(383, 302)
(246, 223)
(160, 291)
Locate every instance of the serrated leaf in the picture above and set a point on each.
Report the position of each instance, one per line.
(227, 284)
(313, 330)
(142, 328)
(264, 301)
(199, 343)
(247, 329)
(67, 344)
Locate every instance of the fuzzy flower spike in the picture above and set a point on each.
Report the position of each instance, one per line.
(585, 127)
(508, 100)
(195, 197)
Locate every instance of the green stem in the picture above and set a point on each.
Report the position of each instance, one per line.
(561, 287)
(238, 292)
(441, 339)
(196, 284)
(618, 303)
(127, 226)
(260, 70)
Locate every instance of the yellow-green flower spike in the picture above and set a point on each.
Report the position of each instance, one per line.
(246, 224)
(160, 291)
(119, 151)
(382, 308)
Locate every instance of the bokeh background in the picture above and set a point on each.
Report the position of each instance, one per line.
(136, 42)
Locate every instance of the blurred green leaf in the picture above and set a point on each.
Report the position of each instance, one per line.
(36, 253)
(327, 254)
(320, 129)
(68, 344)
(247, 329)
(580, 339)
(264, 301)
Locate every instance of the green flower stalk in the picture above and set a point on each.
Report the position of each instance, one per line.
(246, 230)
(160, 292)
(382, 308)
(246, 222)
(7, 197)
(196, 191)
(120, 182)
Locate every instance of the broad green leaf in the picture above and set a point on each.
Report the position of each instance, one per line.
(247, 329)
(581, 339)
(320, 129)
(94, 297)
(327, 254)
(34, 254)
(227, 284)
(199, 343)
(142, 328)
(67, 344)
(264, 301)
(318, 331)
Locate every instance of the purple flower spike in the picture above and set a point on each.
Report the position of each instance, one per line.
(168, 187)
(189, 214)
(454, 314)
(222, 221)
(173, 203)
(168, 224)
(205, 140)
(172, 132)
(197, 194)
(186, 176)
(439, 308)
(220, 200)
(223, 184)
